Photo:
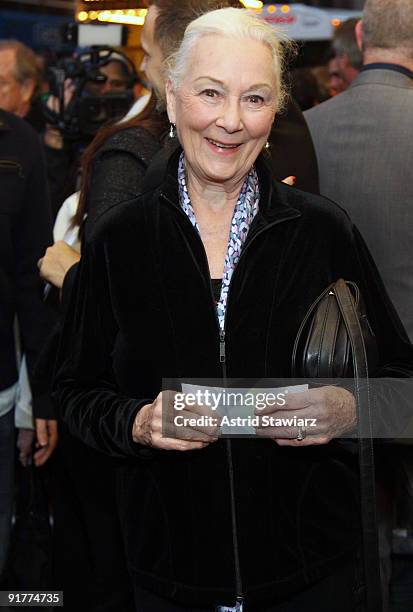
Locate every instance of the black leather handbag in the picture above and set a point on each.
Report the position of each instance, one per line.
(322, 348)
(335, 340)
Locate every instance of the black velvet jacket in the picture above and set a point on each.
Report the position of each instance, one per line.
(142, 310)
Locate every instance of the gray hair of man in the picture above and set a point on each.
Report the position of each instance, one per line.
(233, 23)
(389, 25)
(27, 64)
(345, 42)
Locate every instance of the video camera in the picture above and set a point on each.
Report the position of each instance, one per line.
(88, 109)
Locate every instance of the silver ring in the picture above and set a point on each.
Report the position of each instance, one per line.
(301, 433)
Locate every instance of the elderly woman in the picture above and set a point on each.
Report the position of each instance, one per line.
(209, 274)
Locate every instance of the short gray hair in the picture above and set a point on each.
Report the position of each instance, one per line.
(27, 63)
(345, 42)
(234, 23)
(389, 25)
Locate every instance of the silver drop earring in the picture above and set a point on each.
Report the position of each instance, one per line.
(172, 131)
(267, 145)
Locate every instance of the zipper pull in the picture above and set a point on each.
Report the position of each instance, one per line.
(222, 346)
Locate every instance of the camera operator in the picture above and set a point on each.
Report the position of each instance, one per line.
(87, 91)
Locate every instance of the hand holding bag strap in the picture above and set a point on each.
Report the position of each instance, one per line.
(366, 457)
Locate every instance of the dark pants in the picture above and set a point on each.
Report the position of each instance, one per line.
(7, 443)
(339, 592)
(401, 592)
(90, 565)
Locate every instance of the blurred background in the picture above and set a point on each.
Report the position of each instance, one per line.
(38, 23)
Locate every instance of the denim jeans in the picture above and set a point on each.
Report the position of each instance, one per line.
(7, 444)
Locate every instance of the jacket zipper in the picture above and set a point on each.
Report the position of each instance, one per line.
(222, 355)
(237, 566)
(223, 361)
(12, 165)
(223, 364)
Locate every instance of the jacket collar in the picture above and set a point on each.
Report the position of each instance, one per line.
(387, 66)
(275, 198)
(382, 76)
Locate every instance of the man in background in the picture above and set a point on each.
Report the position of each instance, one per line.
(347, 58)
(363, 140)
(25, 231)
(20, 89)
(20, 77)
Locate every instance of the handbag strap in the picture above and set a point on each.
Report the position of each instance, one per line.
(365, 443)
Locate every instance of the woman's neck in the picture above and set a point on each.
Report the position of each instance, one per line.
(214, 208)
(214, 198)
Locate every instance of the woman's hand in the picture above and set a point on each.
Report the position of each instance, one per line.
(154, 419)
(330, 413)
(57, 260)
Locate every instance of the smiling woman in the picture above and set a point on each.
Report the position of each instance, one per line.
(209, 274)
(238, 26)
(223, 116)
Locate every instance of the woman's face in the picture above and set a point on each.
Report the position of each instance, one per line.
(224, 108)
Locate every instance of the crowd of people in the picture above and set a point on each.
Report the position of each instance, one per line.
(186, 241)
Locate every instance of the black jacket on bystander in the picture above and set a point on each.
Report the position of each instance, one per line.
(25, 233)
